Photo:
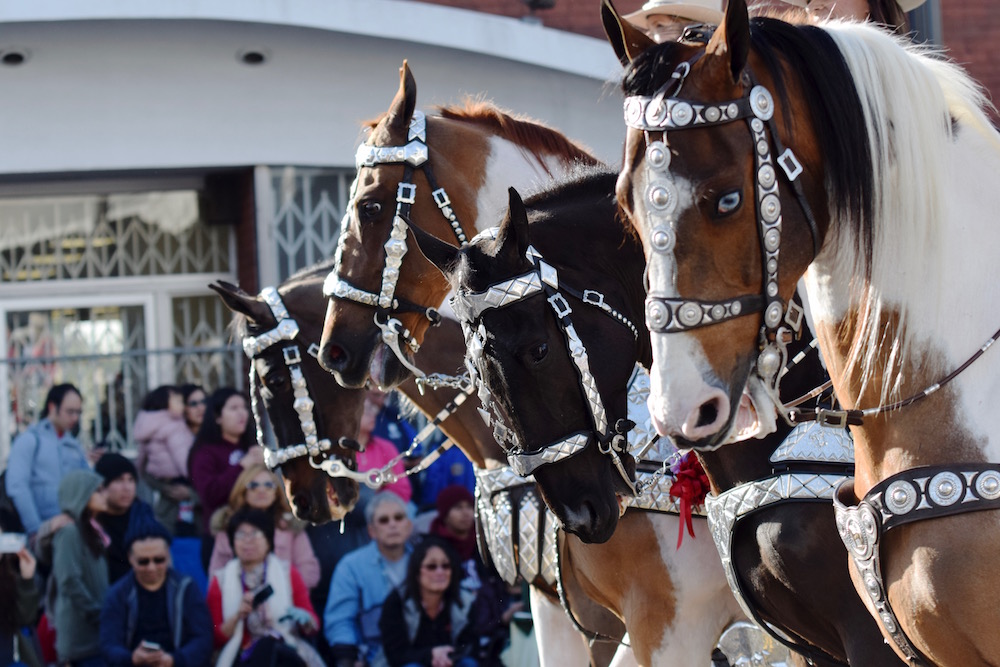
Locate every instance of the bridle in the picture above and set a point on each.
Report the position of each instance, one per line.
(318, 450)
(664, 111)
(414, 154)
(543, 279)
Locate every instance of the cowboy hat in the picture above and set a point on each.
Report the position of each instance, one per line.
(703, 11)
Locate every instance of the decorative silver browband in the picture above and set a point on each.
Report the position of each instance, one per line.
(519, 530)
(313, 447)
(804, 445)
(415, 153)
(912, 495)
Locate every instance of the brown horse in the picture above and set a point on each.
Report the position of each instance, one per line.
(312, 490)
(884, 199)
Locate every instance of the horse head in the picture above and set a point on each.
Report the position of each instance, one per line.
(316, 447)
(714, 195)
(559, 414)
(380, 306)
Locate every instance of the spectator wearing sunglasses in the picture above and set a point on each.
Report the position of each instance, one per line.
(363, 579)
(164, 441)
(195, 400)
(258, 487)
(154, 615)
(429, 621)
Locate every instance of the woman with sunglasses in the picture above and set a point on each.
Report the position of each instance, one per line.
(258, 487)
(260, 607)
(163, 440)
(195, 400)
(429, 622)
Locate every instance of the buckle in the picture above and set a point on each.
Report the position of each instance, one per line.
(441, 198)
(292, 355)
(313, 350)
(560, 305)
(593, 297)
(406, 193)
(831, 418)
(790, 164)
(794, 315)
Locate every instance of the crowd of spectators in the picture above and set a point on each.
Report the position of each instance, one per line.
(213, 569)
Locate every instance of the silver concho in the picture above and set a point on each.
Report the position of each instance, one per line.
(656, 113)
(772, 316)
(988, 485)
(765, 175)
(772, 239)
(900, 497)
(770, 207)
(662, 197)
(769, 362)
(633, 111)
(681, 114)
(662, 238)
(718, 311)
(656, 314)
(712, 114)
(689, 314)
(860, 533)
(761, 103)
(658, 155)
(945, 489)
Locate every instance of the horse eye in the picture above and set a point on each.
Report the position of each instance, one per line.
(729, 203)
(539, 352)
(369, 210)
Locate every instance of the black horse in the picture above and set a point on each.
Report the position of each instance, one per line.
(788, 558)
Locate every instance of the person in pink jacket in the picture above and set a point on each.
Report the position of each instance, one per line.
(379, 451)
(164, 440)
(259, 488)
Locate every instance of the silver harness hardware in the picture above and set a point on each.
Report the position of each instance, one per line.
(414, 154)
(286, 330)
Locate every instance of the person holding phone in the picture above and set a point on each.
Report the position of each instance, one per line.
(154, 615)
(20, 599)
(259, 604)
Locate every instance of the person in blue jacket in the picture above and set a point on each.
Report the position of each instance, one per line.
(154, 615)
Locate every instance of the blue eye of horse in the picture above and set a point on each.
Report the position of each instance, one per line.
(369, 209)
(729, 203)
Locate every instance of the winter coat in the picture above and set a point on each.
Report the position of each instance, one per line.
(213, 469)
(409, 634)
(39, 459)
(81, 578)
(293, 547)
(164, 442)
(190, 622)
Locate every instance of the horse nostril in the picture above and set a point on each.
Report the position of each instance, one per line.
(708, 413)
(333, 357)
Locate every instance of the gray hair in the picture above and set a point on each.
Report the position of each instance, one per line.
(379, 499)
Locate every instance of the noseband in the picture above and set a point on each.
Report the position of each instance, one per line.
(470, 307)
(287, 329)
(663, 112)
(415, 154)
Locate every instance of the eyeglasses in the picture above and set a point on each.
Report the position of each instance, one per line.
(434, 567)
(253, 486)
(156, 560)
(247, 534)
(386, 518)
(73, 412)
(194, 404)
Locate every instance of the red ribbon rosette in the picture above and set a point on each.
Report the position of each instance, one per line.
(690, 488)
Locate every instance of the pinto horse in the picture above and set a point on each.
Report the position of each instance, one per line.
(291, 316)
(786, 555)
(445, 173)
(872, 167)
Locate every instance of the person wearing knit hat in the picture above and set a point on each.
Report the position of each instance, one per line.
(665, 20)
(124, 509)
(154, 615)
(456, 520)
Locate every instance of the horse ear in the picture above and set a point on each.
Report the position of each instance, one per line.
(627, 40)
(401, 110)
(239, 301)
(733, 38)
(441, 254)
(513, 235)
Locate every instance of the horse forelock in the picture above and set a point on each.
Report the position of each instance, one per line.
(533, 136)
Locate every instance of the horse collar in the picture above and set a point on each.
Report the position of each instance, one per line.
(414, 154)
(287, 329)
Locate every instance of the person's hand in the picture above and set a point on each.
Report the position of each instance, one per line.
(27, 563)
(302, 618)
(440, 656)
(165, 660)
(145, 656)
(246, 605)
(59, 521)
(94, 454)
(254, 456)
(178, 491)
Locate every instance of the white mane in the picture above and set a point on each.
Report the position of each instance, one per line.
(916, 106)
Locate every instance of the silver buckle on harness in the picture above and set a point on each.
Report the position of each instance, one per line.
(292, 355)
(790, 164)
(793, 316)
(560, 305)
(406, 193)
(593, 297)
(441, 198)
(831, 418)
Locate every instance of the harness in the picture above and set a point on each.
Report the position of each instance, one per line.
(543, 279)
(414, 154)
(287, 330)
(908, 496)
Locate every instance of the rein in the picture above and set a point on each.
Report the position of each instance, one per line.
(414, 154)
(544, 279)
(287, 329)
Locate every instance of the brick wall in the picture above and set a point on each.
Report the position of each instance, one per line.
(970, 28)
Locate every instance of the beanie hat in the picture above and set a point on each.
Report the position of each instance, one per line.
(144, 526)
(450, 496)
(112, 466)
(260, 519)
